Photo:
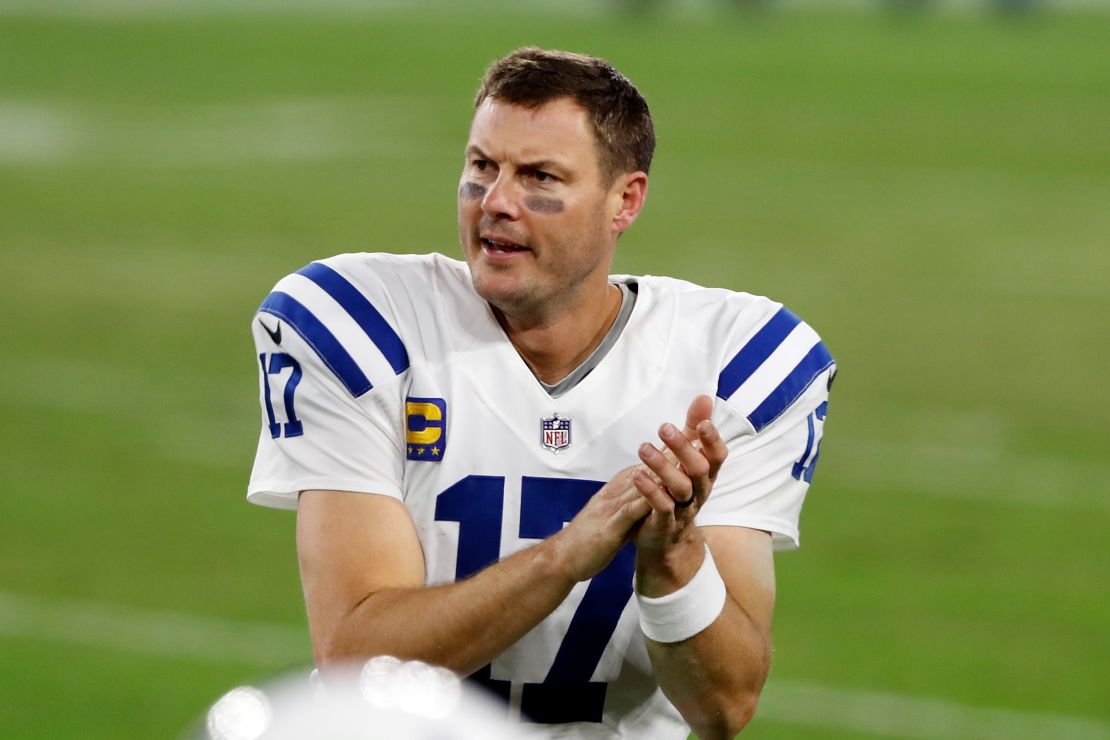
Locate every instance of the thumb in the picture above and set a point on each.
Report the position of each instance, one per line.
(701, 409)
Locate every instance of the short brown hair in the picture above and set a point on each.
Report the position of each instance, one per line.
(620, 117)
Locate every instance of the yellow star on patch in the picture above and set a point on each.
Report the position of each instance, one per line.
(419, 450)
(435, 451)
(410, 449)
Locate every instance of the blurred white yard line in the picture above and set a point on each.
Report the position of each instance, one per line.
(115, 389)
(147, 9)
(973, 471)
(199, 435)
(124, 9)
(281, 130)
(185, 636)
(165, 634)
(33, 133)
(898, 715)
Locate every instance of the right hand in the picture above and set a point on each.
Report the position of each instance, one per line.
(592, 539)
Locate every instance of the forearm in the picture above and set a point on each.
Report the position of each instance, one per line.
(363, 576)
(715, 676)
(461, 625)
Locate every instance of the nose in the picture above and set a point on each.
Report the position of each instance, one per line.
(501, 200)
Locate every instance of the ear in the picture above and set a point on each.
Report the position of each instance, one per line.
(627, 195)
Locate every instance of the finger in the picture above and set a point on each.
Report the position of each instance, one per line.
(636, 508)
(629, 513)
(653, 493)
(693, 462)
(678, 505)
(701, 409)
(713, 447)
(674, 480)
(620, 488)
(632, 493)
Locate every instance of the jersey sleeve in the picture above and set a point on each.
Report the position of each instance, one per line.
(331, 365)
(771, 405)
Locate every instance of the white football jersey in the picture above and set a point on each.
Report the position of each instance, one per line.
(389, 375)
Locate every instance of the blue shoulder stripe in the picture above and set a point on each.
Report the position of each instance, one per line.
(755, 352)
(287, 308)
(816, 361)
(362, 311)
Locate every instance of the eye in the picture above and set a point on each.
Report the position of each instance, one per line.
(479, 164)
(542, 176)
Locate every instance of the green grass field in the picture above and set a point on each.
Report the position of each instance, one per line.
(930, 193)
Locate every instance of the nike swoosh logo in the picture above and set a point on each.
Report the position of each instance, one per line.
(275, 334)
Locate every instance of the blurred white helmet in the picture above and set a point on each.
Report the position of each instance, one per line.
(384, 698)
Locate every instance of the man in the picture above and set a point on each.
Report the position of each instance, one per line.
(466, 445)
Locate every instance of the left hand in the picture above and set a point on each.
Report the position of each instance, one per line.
(668, 545)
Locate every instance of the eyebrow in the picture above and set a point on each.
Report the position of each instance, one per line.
(539, 164)
(543, 164)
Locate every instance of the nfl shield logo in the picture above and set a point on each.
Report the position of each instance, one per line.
(555, 433)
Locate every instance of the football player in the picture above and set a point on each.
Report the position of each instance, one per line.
(471, 445)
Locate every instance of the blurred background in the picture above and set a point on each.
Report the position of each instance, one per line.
(927, 183)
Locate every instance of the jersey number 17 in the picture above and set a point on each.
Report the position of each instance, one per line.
(567, 694)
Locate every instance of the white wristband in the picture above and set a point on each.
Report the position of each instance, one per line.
(686, 612)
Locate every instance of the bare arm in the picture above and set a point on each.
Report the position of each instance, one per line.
(362, 570)
(715, 677)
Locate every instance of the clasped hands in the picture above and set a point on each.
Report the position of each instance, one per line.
(652, 505)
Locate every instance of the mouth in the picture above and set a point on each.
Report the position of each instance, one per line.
(501, 246)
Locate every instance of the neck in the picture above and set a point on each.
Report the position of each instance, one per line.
(553, 346)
